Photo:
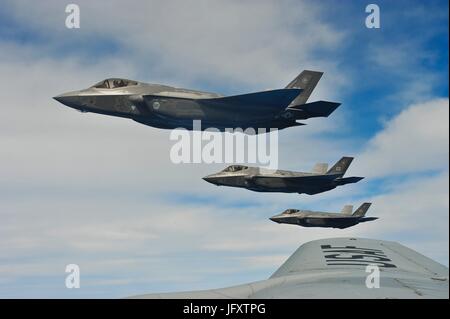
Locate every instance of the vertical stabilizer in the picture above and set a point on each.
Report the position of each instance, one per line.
(307, 81)
(362, 210)
(341, 166)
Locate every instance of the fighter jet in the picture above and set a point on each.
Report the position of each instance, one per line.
(309, 218)
(337, 268)
(168, 107)
(260, 180)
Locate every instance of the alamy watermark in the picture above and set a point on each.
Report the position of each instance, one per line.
(252, 146)
(73, 277)
(73, 17)
(373, 19)
(373, 278)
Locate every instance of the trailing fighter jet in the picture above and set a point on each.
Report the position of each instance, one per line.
(260, 180)
(167, 107)
(338, 268)
(309, 218)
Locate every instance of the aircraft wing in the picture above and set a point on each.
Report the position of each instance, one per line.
(336, 268)
(305, 178)
(273, 100)
(277, 179)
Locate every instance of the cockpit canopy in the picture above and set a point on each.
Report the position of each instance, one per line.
(235, 168)
(290, 211)
(114, 83)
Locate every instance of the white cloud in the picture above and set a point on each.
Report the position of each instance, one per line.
(238, 43)
(414, 213)
(417, 140)
(89, 188)
(86, 188)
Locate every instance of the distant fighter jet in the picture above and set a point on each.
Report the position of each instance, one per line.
(167, 107)
(337, 268)
(260, 180)
(309, 218)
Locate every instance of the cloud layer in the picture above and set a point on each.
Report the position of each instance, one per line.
(101, 192)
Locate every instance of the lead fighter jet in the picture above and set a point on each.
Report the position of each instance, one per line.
(168, 107)
(309, 218)
(258, 180)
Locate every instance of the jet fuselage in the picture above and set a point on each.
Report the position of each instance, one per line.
(260, 180)
(319, 219)
(169, 107)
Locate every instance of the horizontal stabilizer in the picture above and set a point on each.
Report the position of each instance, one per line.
(314, 109)
(348, 180)
(367, 219)
(274, 99)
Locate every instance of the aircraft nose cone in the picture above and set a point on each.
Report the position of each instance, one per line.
(59, 98)
(68, 99)
(275, 219)
(209, 179)
(64, 99)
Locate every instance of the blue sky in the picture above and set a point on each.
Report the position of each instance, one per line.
(101, 192)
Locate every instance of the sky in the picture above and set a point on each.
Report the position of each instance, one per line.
(102, 193)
